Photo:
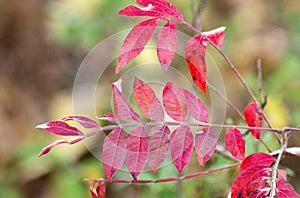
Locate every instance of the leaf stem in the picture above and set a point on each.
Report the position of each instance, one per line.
(163, 180)
(226, 126)
(226, 100)
(265, 145)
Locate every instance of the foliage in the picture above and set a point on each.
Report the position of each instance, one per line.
(259, 173)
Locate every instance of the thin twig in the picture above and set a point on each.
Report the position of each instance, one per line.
(226, 100)
(197, 12)
(260, 82)
(265, 144)
(241, 79)
(192, 7)
(163, 180)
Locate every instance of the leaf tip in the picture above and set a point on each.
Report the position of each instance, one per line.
(41, 126)
(118, 68)
(164, 67)
(117, 85)
(137, 82)
(44, 152)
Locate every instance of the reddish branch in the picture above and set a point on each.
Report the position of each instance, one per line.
(170, 179)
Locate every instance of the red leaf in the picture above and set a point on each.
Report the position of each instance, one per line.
(84, 121)
(257, 159)
(254, 117)
(216, 36)
(166, 45)
(260, 187)
(205, 145)
(255, 178)
(48, 148)
(235, 143)
(159, 141)
(122, 108)
(136, 41)
(253, 171)
(164, 7)
(195, 107)
(156, 8)
(243, 180)
(152, 11)
(195, 52)
(259, 193)
(181, 146)
(285, 190)
(114, 152)
(97, 189)
(137, 151)
(174, 102)
(194, 55)
(60, 128)
(147, 101)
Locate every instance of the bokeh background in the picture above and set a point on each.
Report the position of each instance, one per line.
(42, 44)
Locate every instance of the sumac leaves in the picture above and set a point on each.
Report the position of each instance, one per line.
(253, 169)
(255, 179)
(141, 33)
(159, 143)
(137, 151)
(174, 102)
(59, 127)
(181, 147)
(114, 152)
(167, 45)
(195, 107)
(147, 101)
(205, 145)
(195, 54)
(179, 102)
(136, 41)
(122, 108)
(235, 143)
(154, 8)
(254, 117)
(195, 49)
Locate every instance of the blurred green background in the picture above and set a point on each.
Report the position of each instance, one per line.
(42, 44)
